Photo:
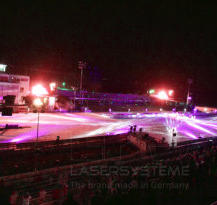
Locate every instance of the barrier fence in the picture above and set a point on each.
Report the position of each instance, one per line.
(61, 143)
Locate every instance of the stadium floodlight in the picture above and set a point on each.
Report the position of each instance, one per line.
(162, 95)
(3, 67)
(170, 92)
(151, 91)
(38, 102)
(52, 86)
(39, 90)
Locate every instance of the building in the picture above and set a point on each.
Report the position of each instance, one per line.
(17, 85)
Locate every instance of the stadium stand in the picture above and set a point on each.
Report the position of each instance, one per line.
(141, 180)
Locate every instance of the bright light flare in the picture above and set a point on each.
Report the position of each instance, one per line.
(170, 92)
(37, 102)
(39, 90)
(52, 86)
(162, 95)
(151, 91)
(3, 67)
(52, 101)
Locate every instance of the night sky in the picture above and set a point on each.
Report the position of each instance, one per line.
(130, 46)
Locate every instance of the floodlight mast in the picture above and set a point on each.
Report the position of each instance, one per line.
(190, 81)
(81, 66)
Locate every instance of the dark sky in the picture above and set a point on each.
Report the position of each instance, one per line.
(134, 45)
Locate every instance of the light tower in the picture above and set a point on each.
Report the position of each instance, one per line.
(190, 81)
(81, 66)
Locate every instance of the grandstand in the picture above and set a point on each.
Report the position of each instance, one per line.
(139, 181)
(104, 97)
(102, 102)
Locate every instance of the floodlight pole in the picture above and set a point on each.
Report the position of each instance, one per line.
(81, 66)
(81, 78)
(37, 128)
(36, 144)
(188, 94)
